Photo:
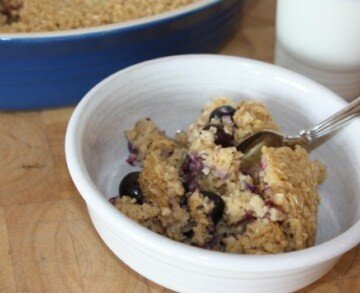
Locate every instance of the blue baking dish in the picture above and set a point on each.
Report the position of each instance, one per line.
(40, 70)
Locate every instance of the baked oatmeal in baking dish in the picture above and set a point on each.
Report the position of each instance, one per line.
(52, 15)
(192, 188)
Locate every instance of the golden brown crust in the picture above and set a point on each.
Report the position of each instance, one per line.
(267, 235)
(251, 116)
(160, 181)
(292, 181)
(200, 209)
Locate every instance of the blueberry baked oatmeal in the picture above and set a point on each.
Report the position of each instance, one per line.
(192, 188)
(53, 15)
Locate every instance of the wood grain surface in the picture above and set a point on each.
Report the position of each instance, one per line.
(47, 242)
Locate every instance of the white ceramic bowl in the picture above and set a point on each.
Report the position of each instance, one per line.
(172, 91)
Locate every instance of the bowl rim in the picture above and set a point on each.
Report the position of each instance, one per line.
(121, 26)
(97, 203)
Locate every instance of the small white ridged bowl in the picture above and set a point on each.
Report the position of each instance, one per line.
(172, 91)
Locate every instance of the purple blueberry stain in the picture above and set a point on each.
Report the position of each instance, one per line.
(193, 186)
(191, 167)
(251, 188)
(262, 165)
(249, 218)
(270, 204)
(221, 174)
(131, 160)
(221, 137)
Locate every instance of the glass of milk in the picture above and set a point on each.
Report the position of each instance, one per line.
(321, 39)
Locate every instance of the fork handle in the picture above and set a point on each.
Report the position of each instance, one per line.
(328, 125)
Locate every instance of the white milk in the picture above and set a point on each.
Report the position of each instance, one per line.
(321, 39)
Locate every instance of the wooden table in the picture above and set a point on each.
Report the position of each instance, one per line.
(47, 242)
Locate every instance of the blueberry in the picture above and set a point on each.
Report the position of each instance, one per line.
(130, 186)
(218, 113)
(219, 205)
(221, 137)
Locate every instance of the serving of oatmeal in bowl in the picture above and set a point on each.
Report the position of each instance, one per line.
(193, 188)
(153, 151)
